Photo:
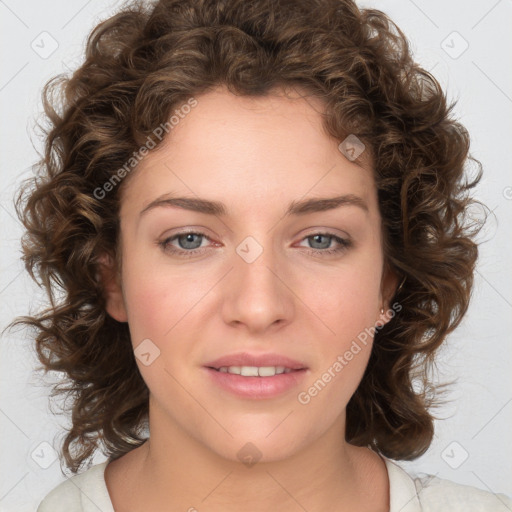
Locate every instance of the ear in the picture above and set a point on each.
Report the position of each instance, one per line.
(111, 284)
(388, 288)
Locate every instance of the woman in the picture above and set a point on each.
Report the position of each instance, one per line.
(256, 213)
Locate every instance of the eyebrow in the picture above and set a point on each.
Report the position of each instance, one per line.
(217, 208)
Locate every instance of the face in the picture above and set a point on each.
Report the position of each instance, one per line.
(259, 274)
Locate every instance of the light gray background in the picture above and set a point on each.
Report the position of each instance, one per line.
(476, 423)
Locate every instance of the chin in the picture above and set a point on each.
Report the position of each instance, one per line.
(267, 442)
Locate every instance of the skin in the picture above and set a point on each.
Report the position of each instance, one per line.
(256, 155)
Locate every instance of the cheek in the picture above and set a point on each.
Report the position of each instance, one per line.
(349, 301)
(348, 307)
(153, 297)
(155, 307)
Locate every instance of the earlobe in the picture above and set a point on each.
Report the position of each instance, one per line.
(389, 285)
(112, 288)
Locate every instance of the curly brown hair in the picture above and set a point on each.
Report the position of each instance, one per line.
(145, 61)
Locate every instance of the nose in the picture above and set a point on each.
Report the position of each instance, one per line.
(256, 294)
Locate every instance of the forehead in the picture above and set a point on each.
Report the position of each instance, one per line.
(272, 146)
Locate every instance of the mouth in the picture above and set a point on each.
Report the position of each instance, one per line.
(256, 376)
(254, 365)
(255, 371)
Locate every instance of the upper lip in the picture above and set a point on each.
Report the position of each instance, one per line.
(246, 359)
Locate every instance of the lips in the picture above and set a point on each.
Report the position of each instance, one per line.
(278, 375)
(256, 360)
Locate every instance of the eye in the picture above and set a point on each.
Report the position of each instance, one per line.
(190, 243)
(324, 240)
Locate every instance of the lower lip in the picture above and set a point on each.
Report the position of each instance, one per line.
(258, 388)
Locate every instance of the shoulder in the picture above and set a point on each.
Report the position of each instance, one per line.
(428, 493)
(84, 492)
(437, 494)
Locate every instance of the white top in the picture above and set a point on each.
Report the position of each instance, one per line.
(87, 492)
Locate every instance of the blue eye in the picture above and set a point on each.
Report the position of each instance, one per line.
(342, 243)
(187, 240)
(190, 244)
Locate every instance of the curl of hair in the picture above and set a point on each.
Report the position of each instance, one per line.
(145, 61)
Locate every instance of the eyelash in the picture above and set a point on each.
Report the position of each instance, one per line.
(344, 244)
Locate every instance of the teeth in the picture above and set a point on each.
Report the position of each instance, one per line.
(248, 371)
(255, 371)
(267, 371)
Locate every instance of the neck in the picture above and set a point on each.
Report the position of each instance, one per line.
(173, 471)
